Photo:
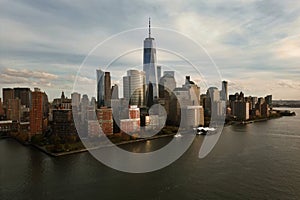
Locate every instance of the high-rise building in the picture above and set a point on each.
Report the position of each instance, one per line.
(7, 93)
(38, 112)
(103, 88)
(167, 83)
(240, 109)
(14, 109)
(115, 92)
(268, 100)
(84, 104)
(75, 99)
(224, 91)
(24, 94)
(149, 62)
(194, 91)
(63, 123)
(107, 89)
(192, 116)
(100, 88)
(134, 87)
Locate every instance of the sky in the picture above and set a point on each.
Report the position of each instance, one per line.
(252, 44)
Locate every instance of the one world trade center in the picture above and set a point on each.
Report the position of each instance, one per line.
(149, 65)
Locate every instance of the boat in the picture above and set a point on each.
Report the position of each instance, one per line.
(204, 130)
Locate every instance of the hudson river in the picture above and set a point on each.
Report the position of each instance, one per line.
(254, 161)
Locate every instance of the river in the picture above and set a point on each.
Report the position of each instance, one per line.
(253, 161)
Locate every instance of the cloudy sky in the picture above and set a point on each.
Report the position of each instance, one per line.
(253, 44)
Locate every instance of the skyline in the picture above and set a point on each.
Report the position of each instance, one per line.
(262, 35)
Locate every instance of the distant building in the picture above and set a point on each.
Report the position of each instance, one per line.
(100, 88)
(134, 87)
(130, 125)
(115, 92)
(75, 99)
(211, 101)
(268, 100)
(224, 91)
(38, 112)
(2, 113)
(14, 109)
(265, 110)
(24, 94)
(193, 116)
(133, 123)
(63, 123)
(94, 129)
(240, 110)
(105, 119)
(149, 63)
(167, 83)
(8, 93)
(85, 102)
(107, 89)
(194, 91)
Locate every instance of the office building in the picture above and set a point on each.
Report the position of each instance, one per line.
(192, 116)
(14, 109)
(115, 92)
(167, 83)
(134, 87)
(63, 123)
(24, 94)
(224, 91)
(38, 112)
(100, 87)
(149, 62)
(240, 110)
(107, 89)
(75, 99)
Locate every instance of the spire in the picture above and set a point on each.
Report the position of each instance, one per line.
(149, 27)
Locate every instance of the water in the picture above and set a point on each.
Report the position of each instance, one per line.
(256, 161)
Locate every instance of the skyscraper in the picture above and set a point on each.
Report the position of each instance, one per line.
(107, 89)
(100, 88)
(149, 63)
(14, 109)
(115, 91)
(224, 91)
(75, 99)
(103, 88)
(38, 111)
(134, 87)
(24, 94)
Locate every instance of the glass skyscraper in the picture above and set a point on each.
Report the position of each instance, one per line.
(149, 64)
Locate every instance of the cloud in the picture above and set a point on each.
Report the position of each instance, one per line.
(29, 74)
(253, 42)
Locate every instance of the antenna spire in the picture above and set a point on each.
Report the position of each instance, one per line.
(149, 27)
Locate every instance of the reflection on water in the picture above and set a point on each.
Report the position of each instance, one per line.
(254, 161)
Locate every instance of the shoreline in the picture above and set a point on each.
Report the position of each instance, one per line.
(98, 147)
(43, 149)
